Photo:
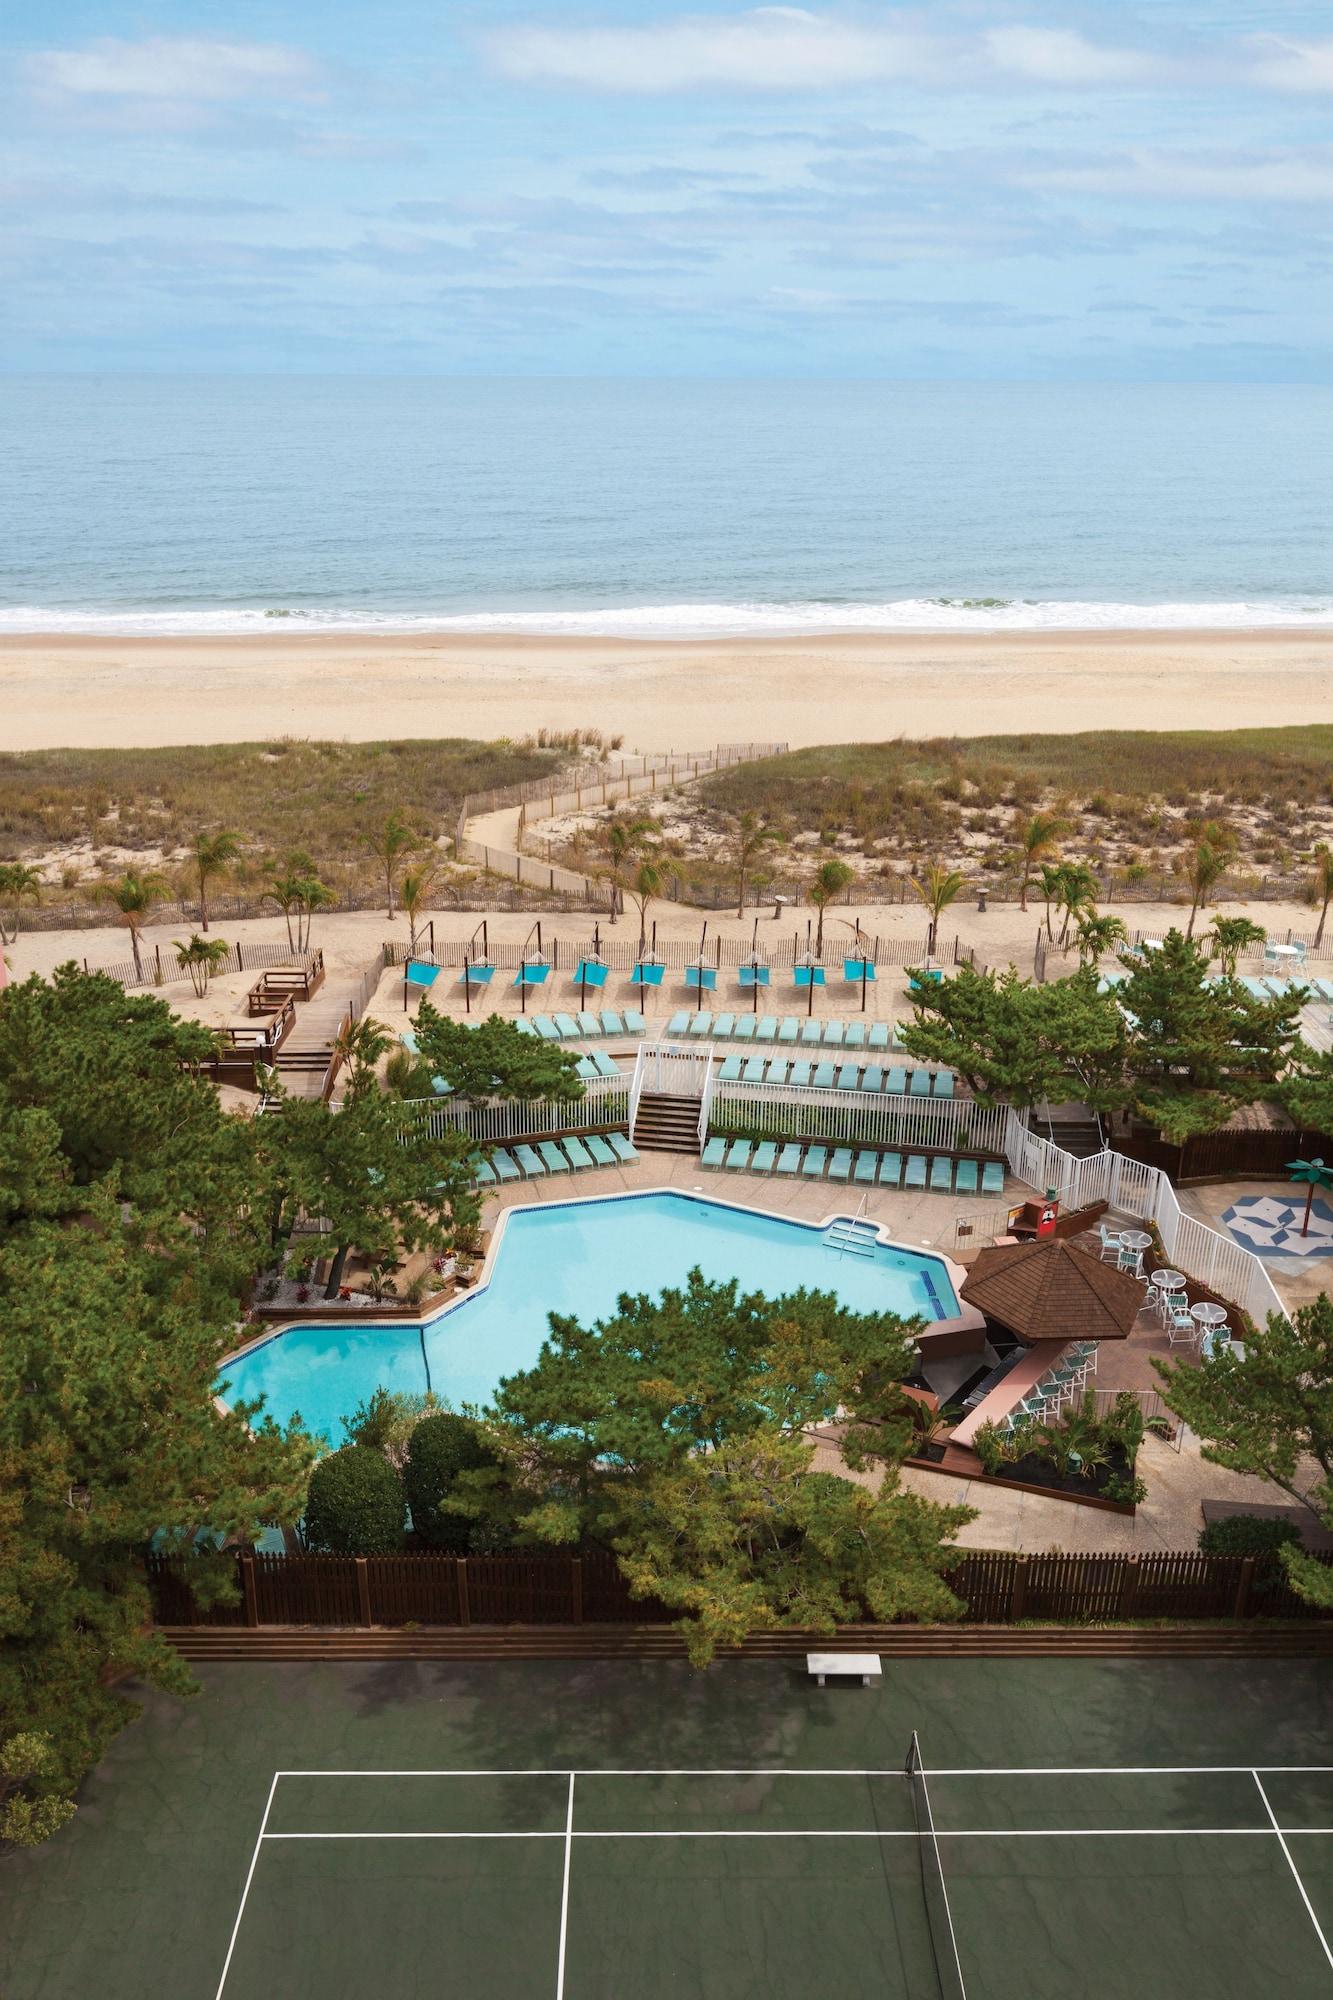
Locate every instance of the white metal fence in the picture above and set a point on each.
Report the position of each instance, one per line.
(1203, 1253)
(604, 1104)
(866, 1118)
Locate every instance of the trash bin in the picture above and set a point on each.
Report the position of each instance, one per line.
(981, 899)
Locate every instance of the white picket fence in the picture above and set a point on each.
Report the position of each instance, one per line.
(605, 1103)
(861, 1117)
(1201, 1252)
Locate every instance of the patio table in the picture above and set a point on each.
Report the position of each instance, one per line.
(1135, 1241)
(1168, 1281)
(1211, 1320)
(1284, 951)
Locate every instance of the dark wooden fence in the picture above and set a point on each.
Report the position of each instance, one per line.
(1228, 1155)
(430, 1589)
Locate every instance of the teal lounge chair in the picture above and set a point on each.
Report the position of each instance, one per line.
(1323, 988)
(801, 1073)
(524, 1025)
(941, 1174)
(485, 1172)
(714, 1153)
(566, 1026)
(530, 1163)
(789, 1160)
(848, 1076)
(612, 1023)
(754, 1070)
(814, 1163)
(765, 1154)
(776, 1072)
(992, 1178)
(589, 1024)
(826, 1076)
(545, 1027)
(505, 1168)
(891, 1170)
(605, 1065)
(738, 1154)
(919, 1085)
(634, 1022)
(867, 1167)
(730, 1069)
(896, 1085)
(724, 1027)
(965, 1177)
(915, 1177)
(767, 1031)
(855, 1037)
(679, 1024)
(586, 1068)
(745, 1027)
(1256, 989)
(701, 1022)
(833, 1034)
(602, 1156)
(579, 1156)
(623, 1150)
(840, 1166)
(878, 1037)
(872, 1077)
(554, 1159)
(944, 1083)
(790, 1030)
(812, 1033)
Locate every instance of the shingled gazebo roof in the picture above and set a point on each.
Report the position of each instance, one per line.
(1050, 1290)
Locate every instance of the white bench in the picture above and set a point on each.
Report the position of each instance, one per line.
(865, 1665)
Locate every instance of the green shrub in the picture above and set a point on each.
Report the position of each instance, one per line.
(1248, 1535)
(442, 1446)
(355, 1504)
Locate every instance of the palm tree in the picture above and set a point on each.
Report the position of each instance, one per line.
(358, 1046)
(1206, 867)
(1321, 887)
(414, 899)
(389, 845)
(298, 892)
(937, 886)
(623, 839)
(17, 880)
(1037, 835)
(210, 854)
(134, 896)
(749, 836)
(315, 895)
(1051, 882)
(1097, 934)
(1229, 936)
(285, 888)
(833, 877)
(201, 958)
(647, 884)
(1077, 893)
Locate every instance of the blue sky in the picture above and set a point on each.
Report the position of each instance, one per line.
(970, 190)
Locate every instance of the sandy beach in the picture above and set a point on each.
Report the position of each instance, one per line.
(83, 691)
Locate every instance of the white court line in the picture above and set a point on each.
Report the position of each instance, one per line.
(854, 1771)
(249, 1878)
(1295, 1871)
(571, 1834)
(564, 1893)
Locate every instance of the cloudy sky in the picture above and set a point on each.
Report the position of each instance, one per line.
(977, 189)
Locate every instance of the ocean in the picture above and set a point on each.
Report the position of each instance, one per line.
(659, 508)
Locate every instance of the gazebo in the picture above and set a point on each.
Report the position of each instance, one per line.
(1050, 1290)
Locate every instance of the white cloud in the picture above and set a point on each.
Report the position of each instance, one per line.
(1169, 176)
(1284, 65)
(1058, 56)
(176, 68)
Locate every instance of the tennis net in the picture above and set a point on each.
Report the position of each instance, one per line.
(939, 1916)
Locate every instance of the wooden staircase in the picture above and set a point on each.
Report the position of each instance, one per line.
(667, 1124)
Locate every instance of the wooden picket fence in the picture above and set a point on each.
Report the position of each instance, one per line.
(360, 1592)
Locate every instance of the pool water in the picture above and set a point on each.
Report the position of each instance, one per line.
(572, 1257)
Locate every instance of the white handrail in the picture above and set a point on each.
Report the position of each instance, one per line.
(706, 1098)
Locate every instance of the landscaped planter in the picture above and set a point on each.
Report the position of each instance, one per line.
(1013, 1478)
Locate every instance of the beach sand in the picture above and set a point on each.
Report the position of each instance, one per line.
(82, 691)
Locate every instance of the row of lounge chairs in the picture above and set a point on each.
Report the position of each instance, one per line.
(605, 1026)
(788, 1030)
(895, 1081)
(1276, 989)
(940, 1175)
(555, 1156)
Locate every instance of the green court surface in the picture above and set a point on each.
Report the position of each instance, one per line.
(591, 1831)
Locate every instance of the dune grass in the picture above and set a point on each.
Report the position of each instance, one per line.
(277, 796)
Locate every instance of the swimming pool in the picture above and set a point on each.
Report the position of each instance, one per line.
(573, 1257)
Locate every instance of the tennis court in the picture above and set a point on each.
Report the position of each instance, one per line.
(826, 1865)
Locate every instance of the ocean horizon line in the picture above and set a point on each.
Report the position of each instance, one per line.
(922, 616)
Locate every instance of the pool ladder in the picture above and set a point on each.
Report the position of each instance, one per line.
(854, 1234)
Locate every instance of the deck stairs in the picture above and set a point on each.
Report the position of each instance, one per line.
(666, 1124)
